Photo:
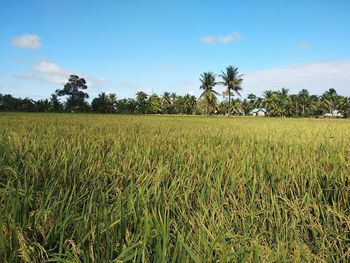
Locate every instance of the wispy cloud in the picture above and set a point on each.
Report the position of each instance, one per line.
(316, 77)
(225, 39)
(208, 39)
(27, 41)
(50, 68)
(48, 72)
(304, 45)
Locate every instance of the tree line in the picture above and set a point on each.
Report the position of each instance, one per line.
(278, 103)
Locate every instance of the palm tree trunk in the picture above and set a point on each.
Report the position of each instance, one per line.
(206, 110)
(229, 102)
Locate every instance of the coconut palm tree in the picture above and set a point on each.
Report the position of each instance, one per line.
(283, 101)
(189, 103)
(270, 101)
(330, 99)
(304, 101)
(252, 99)
(208, 82)
(344, 105)
(112, 102)
(142, 102)
(166, 103)
(233, 81)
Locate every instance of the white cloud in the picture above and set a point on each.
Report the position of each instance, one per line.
(317, 77)
(50, 68)
(48, 72)
(304, 45)
(225, 39)
(43, 78)
(27, 41)
(208, 39)
(58, 79)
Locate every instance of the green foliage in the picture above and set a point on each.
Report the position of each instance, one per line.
(94, 188)
(233, 82)
(76, 96)
(208, 83)
(105, 103)
(279, 103)
(142, 105)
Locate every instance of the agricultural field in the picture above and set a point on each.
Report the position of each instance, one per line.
(112, 188)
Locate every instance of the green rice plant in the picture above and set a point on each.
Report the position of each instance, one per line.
(98, 188)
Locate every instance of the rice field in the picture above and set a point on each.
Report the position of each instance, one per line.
(109, 188)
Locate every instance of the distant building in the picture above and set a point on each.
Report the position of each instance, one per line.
(258, 112)
(334, 114)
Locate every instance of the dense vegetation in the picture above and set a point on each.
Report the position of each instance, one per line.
(278, 103)
(80, 188)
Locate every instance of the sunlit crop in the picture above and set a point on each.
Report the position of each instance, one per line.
(103, 188)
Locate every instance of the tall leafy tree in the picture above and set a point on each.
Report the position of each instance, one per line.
(283, 101)
(74, 89)
(9, 103)
(27, 105)
(43, 105)
(104, 103)
(55, 104)
(304, 101)
(174, 102)
(142, 102)
(154, 103)
(208, 83)
(99, 104)
(166, 103)
(344, 105)
(233, 82)
(269, 101)
(330, 100)
(190, 103)
(127, 106)
(246, 106)
(252, 98)
(112, 102)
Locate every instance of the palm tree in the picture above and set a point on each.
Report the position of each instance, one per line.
(112, 102)
(304, 101)
(233, 81)
(154, 103)
(283, 100)
(252, 99)
(330, 99)
(189, 103)
(270, 101)
(344, 105)
(100, 103)
(294, 105)
(166, 103)
(209, 94)
(142, 102)
(237, 107)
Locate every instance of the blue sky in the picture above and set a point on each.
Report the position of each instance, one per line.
(157, 46)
